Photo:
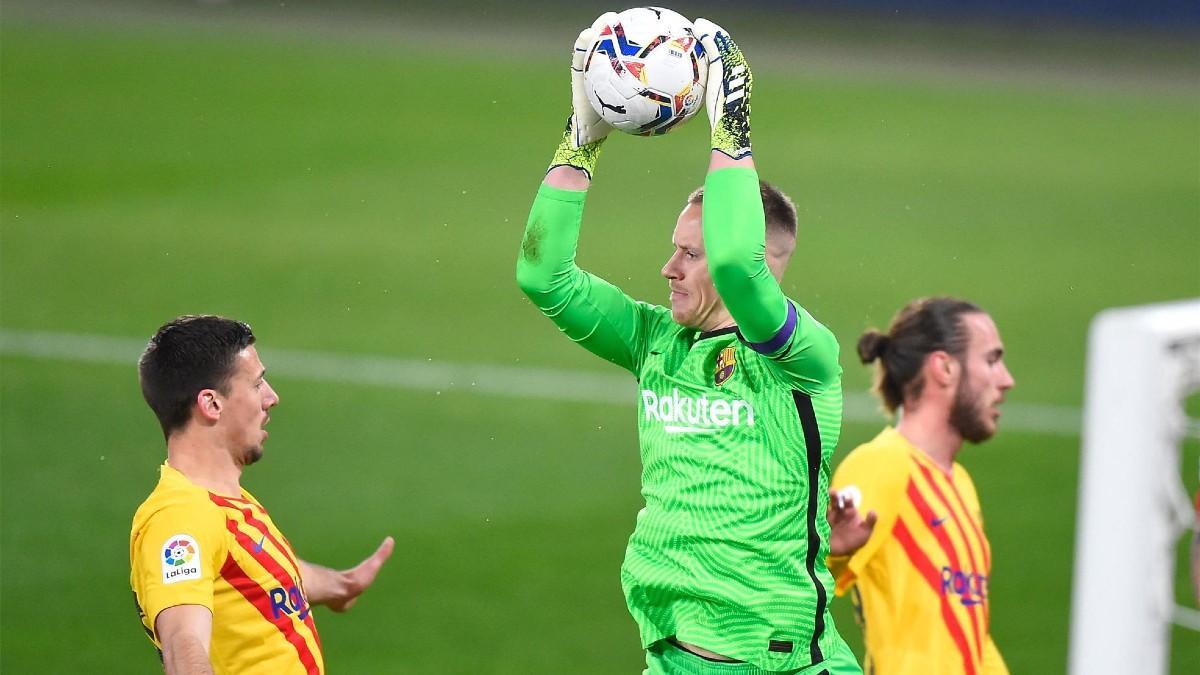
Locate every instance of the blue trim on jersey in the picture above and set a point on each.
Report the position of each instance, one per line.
(781, 338)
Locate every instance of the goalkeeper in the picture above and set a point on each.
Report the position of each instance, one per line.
(740, 400)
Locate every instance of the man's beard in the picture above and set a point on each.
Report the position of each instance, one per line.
(967, 415)
(251, 455)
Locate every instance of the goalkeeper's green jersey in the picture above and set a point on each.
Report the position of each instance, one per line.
(736, 428)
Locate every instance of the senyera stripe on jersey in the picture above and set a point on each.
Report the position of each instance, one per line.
(979, 542)
(257, 597)
(987, 553)
(272, 567)
(248, 516)
(971, 543)
(925, 568)
(812, 444)
(939, 533)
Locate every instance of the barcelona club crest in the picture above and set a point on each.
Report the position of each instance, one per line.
(726, 364)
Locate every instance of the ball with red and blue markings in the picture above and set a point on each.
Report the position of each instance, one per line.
(645, 72)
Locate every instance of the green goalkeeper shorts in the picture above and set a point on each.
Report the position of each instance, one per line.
(665, 658)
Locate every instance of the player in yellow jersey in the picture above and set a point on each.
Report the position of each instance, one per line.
(917, 565)
(218, 586)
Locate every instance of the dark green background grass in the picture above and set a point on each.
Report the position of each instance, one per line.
(367, 195)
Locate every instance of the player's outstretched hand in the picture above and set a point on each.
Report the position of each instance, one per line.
(848, 530)
(360, 577)
(586, 131)
(727, 92)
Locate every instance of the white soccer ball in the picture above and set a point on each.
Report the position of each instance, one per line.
(645, 73)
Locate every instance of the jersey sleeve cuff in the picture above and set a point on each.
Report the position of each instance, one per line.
(561, 195)
(735, 175)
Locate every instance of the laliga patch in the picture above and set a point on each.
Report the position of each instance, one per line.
(726, 364)
(180, 559)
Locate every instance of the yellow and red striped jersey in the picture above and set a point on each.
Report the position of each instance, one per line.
(190, 546)
(920, 583)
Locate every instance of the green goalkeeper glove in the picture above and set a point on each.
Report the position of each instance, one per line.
(727, 94)
(586, 131)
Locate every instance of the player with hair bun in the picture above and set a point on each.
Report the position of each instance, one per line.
(917, 566)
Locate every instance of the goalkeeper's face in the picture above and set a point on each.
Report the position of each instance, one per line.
(694, 299)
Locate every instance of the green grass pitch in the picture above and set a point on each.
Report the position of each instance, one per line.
(360, 197)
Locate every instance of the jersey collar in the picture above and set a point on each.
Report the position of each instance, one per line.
(717, 333)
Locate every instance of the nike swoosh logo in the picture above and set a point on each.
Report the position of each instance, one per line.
(967, 602)
(938, 521)
(259, 545)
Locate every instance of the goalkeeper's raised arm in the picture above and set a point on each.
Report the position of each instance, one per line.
(575, 158)
(750, 230)
(588, 309)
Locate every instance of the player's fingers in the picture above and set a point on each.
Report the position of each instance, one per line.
(366, 570)
(711, 53)
(704, 27)
(587, 36)
(851, 494)
(582, 44)
(837, 510)
(384, 552)
(706, 32)
(846, 515)
(605, 19)
(386, 547)
(870, 519)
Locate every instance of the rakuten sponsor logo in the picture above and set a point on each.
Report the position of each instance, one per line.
(687, 415)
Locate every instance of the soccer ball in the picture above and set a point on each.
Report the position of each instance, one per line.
(645, 73)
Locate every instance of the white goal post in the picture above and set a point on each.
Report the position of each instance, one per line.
(1142, 363)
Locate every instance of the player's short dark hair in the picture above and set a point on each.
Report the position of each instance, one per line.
(778, 208)
(924, 326)
(187, 355)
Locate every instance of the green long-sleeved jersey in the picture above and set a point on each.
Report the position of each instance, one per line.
(736, 429)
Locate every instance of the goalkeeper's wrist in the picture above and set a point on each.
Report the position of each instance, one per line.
(583, 157)
(732, 139)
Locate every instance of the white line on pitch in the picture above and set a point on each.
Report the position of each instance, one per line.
(438, 376)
